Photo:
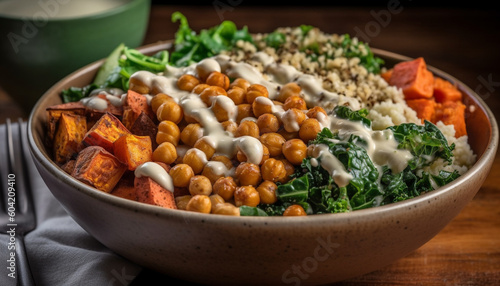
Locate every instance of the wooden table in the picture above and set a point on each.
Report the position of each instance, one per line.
(464, 42)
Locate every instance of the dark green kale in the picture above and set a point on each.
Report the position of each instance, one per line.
(425, 142)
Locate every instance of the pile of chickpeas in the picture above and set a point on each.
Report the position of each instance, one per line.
(180, 140)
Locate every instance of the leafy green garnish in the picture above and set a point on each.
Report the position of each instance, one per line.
(425, 142)
(191, 47)
(275, 39)
(345, 112)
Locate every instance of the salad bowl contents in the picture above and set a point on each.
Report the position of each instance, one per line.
(374, 152)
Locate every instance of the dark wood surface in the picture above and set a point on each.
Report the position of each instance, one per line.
(463, 42)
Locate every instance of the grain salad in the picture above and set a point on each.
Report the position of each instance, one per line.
(289, 123)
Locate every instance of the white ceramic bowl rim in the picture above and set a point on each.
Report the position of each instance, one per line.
(481, 163)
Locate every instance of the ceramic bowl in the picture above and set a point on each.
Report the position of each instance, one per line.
(217, 249)
(38, 51)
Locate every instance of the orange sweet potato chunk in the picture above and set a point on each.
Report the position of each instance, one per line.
(135, 104)
(150, 192)
(387, 75)
(125, 187)
(98, 168)
(105, 132)
(413, 78)
(54, 112)
(425, 108)
(452, 113)
(68, 138)
(445, 91)
(133, 150)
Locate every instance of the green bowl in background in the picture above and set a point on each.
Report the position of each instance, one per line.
(38, 51)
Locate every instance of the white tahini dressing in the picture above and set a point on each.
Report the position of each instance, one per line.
(157, 173)
(380, 145)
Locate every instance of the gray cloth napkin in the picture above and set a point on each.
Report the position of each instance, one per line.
(60, 252)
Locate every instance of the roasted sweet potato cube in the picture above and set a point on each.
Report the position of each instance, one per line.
(413, 78)
(69, 166)
(150, 192)
(145, 126)
(452, 113)
(133, 150)
(105, 132)
(68, 139)
(54, 113)
(135, 104)
(444, 90)
(98, 168)
(125, 187)
(425, 108)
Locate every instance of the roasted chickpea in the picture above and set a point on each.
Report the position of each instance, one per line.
(158, 100)
(209, 93)
(215, 200)
(313, 112)
(262, 105)
(294, 210)
(289, 135)
(187, 82)
(229, 126)
(290, 169)
(191, 133)
(288, 90)
(182, 201)
(181, 151)
(240, 82)
(237, 94)
(295, 101)
(205, 67)
(226, 209)
(246, 195)
(137, 85)
(217, 78)
(294, 150)
(309, 129)
(199, 88)
(204, 146)
(223, 159)
(247, 128)
(241, 157)
(214, 170)
(223, 108)
(267, 192)
(274, 142)
(199, 203)
(200, 185)
(272, 170)
(268, 123)
(165, 152)
(244, 111)
(168, 131)
(225, 187)
(292, 119)
(255, 90)
(248, 174)
(181, 175)
(196, 159)
(170, 110)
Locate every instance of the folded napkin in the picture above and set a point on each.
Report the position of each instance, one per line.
(60, 252)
